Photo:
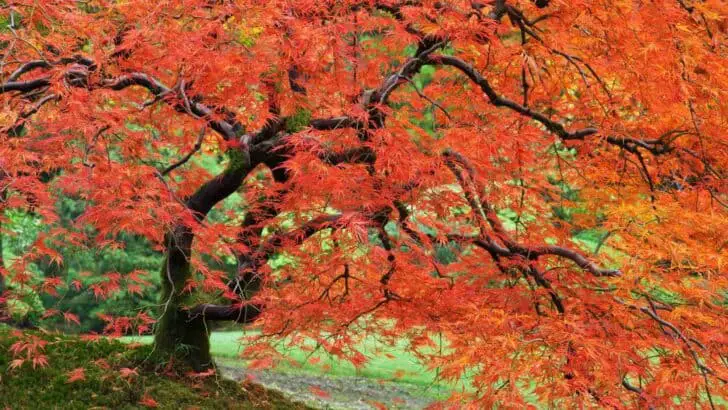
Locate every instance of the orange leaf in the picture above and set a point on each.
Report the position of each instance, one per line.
(70, 317)
(319, 392)
(16, 363)
(264, 363)
(40, 361)
(148, 401)
(379, 405)
(201, 375)
(76, 375)
(127, 373)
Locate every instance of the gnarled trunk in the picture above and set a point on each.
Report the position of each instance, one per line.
(180, 332)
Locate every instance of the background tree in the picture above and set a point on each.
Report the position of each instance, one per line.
(416, 168)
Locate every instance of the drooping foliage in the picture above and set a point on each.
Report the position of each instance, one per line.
(541, 184)
(83, 267)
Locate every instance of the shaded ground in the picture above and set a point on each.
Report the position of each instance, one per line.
(331, 392)
(107, 374)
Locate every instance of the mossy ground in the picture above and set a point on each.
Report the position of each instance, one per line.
(105, 386)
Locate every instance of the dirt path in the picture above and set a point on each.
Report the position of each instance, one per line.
(341, 393)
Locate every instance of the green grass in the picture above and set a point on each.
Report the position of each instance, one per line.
(104, 386)
(385, 363)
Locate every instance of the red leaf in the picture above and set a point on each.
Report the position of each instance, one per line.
(201, 375)
(377, 404)
(14, 364)
(76, 284)
(148, 401)
(259, 364)
(40, 361)
(76, 375)
(70, 317)
(127, 373)
(319, 392)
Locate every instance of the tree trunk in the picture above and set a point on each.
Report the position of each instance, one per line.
(178, 333)
(2, 276)
(3, 312)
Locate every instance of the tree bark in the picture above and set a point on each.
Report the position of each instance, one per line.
(4, 312)
(2, 275)
(178, 332)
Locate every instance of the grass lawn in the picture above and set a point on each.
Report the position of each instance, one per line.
(385, 363)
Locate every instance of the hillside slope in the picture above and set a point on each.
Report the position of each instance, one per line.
(82, 374)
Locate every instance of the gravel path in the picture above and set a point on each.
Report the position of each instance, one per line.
(341, 393)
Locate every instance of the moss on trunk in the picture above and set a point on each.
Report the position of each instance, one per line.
(178, 335)
(182, 338)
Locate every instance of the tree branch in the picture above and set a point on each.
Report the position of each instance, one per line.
(195, 148)
(500, 101)
(24, 86)
(225, 128)
(240, 313)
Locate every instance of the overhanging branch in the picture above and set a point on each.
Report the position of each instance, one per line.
(240, 313)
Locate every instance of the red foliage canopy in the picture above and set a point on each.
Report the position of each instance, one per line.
(396, 131)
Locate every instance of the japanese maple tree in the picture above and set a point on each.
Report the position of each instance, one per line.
(417, 169)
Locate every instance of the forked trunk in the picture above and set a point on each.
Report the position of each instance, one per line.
(179, 333)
